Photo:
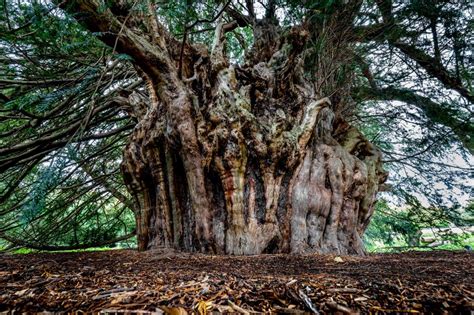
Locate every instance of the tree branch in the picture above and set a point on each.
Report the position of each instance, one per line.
(392, 33)
(436, 112)
(25, 244)
(434, 68)
(152, 59)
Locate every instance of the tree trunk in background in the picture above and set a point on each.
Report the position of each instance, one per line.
(249, 160)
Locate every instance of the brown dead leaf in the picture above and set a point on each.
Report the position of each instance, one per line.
(203, 307)
(175, 310)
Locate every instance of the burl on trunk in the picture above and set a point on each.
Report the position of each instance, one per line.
(241, 159)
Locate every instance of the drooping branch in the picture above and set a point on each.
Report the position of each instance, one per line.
(436, 112)
(26, 244)
(393, 33)
(103, 182)
(434, 68)
(21, 153)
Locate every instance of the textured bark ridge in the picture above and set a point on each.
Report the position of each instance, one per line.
(249, 159)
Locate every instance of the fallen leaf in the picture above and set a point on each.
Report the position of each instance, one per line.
(204, 306)
(175, 311)
(21, 292)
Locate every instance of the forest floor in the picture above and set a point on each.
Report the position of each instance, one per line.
(175, 283)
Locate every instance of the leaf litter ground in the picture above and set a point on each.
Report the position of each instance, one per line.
(126, 281)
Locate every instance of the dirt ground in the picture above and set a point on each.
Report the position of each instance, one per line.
(123, 280)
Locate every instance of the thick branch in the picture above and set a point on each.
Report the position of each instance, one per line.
(152, 59)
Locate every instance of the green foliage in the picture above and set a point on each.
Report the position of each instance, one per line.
(56, 202)
(238, 43)
(394, 229)
(47, 179)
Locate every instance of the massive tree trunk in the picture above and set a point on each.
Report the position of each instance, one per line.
(242, 159)
(248, 160)
(251, 186)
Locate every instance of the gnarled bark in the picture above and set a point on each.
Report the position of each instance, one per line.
(261, 171)
(241, 159)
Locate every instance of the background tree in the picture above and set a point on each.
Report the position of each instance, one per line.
(240, 120)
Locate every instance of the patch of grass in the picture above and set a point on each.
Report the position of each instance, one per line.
(398, 246)
(21, 251)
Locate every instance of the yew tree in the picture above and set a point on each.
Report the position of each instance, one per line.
(229, 127)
